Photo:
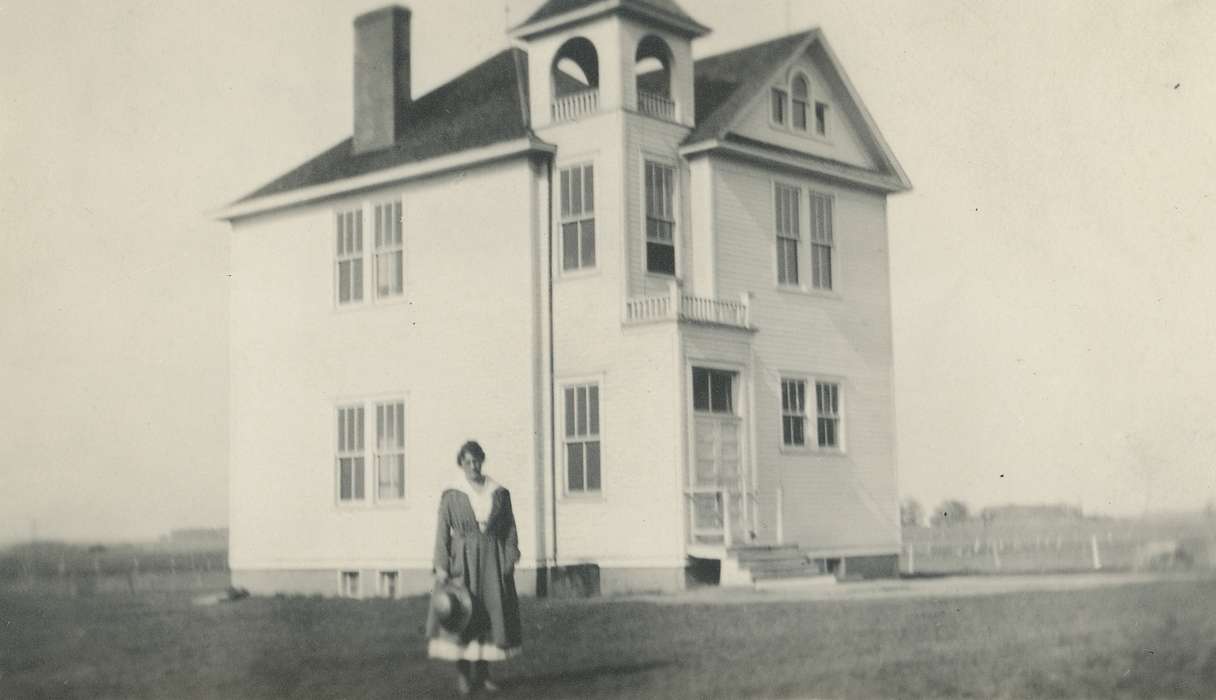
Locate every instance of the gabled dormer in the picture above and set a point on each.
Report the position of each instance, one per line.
(588, 57)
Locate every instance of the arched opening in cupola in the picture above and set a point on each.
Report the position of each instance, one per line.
(652, 76)
(576, 79)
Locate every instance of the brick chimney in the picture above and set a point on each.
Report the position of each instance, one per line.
(382, 76)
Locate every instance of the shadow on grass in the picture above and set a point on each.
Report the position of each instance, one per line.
(584, 675)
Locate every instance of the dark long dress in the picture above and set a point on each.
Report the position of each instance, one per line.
(484, 561)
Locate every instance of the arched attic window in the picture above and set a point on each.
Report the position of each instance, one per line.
(652, 77)
(800, 91)
(576, 79)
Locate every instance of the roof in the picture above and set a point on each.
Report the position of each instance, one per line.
(553, 8)
(487, 104)
(724, 84)
(657, 9)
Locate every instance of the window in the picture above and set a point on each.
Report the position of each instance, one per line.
(793, 412)
(350, 453)
(827, 406)
(778, 110)
(349, 584)
(788, 226)
(390, 451)
(388, 584)
(660, 219)
(800, 91)
(389, 252)
(712, 390)
(821, 241)
(578, 217)
(349, 258)
(582, 438)
(821, 118)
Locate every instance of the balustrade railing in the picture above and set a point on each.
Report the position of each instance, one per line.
(678, 306)
(656, 105)
(571, 107)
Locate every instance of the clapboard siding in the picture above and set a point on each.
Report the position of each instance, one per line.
(636, 519)
(464, 369)
(831, 500)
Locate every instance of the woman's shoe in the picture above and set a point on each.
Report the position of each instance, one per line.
(463, 687)
(489, 686)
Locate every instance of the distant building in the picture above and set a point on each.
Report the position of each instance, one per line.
(655, 289)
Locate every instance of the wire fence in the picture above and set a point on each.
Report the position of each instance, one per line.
(77, 571)
(1062, 548)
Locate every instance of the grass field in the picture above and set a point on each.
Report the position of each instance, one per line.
(1149, 640)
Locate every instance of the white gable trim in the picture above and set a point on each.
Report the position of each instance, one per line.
(761, 89)
(409, 171)
(797, 162)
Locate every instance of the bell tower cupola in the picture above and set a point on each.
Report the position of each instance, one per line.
(586, 57)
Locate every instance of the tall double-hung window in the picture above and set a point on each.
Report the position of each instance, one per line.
(798, 103)
(370, 434)
(822, 241)
(578, 217)
(793, 412)
(582, 438)
(389, 251)
(788, 226)
(390, 450)
(660, 219)
(349, 257)
(350, 458)
(827, 407)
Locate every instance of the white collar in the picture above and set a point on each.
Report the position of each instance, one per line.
(462, 484)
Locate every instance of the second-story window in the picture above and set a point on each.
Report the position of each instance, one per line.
(388, 269)
(788, 225)
(578, 217)
(660, 219)
(349, 258)
(822, 241)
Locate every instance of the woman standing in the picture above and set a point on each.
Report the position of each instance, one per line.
(476, 545)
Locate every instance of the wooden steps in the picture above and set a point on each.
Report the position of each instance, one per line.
(770, 566)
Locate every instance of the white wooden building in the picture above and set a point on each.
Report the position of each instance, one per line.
(655, 289)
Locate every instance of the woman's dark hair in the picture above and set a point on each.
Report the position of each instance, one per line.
(474, 451)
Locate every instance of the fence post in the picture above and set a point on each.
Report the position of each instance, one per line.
(1093, 541)
(912, 558)
(996, 555)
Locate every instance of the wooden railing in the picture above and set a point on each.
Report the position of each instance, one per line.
(656, 105)
(571, 107)
(678, 306)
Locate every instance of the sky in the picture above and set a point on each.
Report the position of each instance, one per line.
(1052, 271)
